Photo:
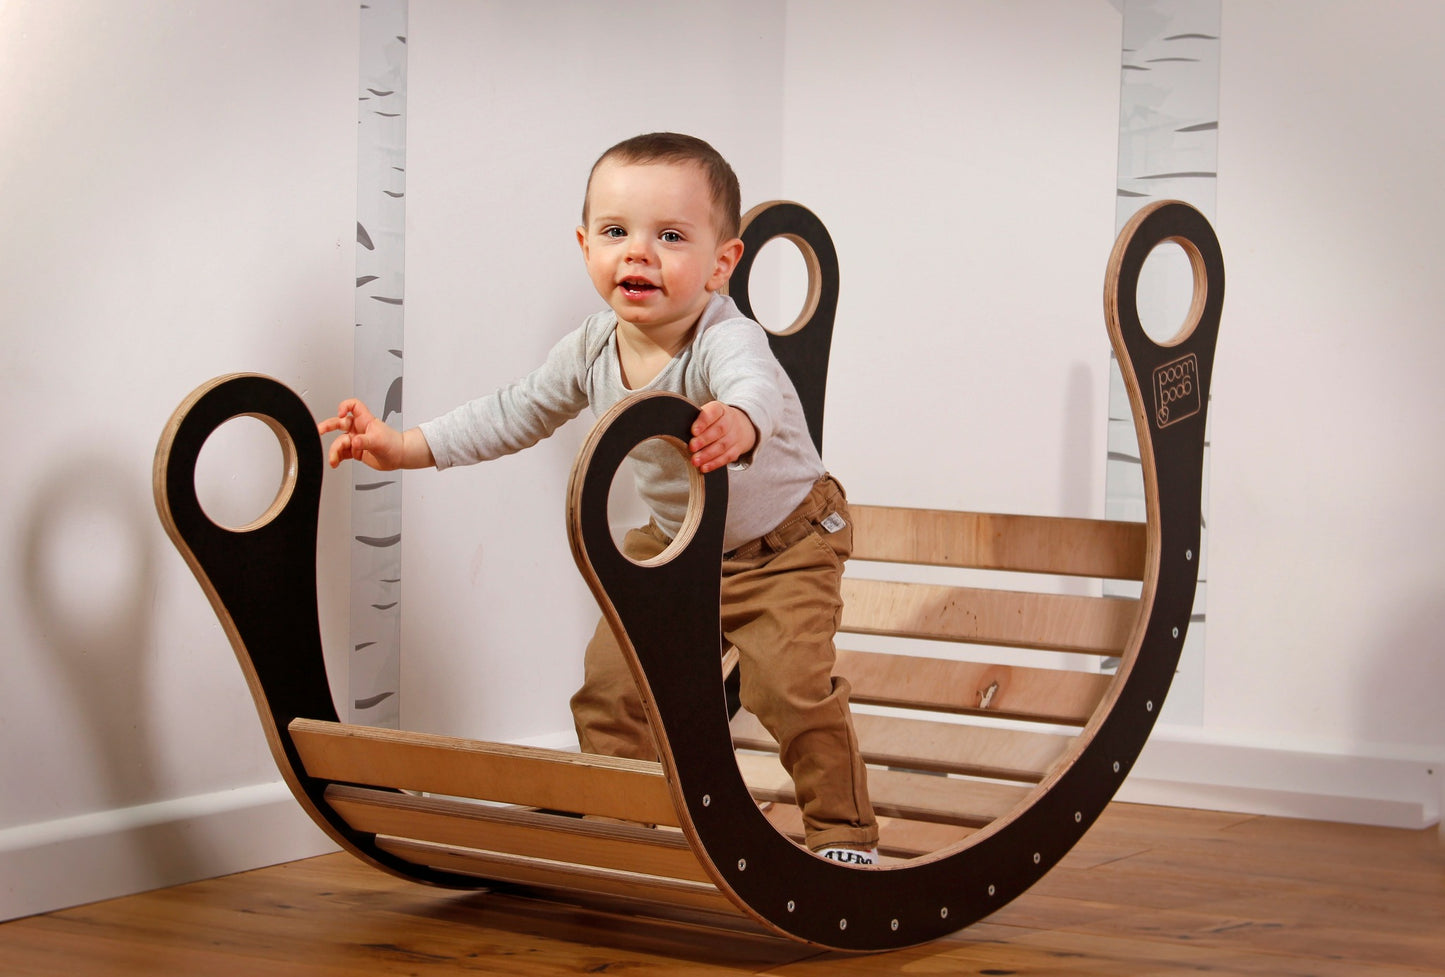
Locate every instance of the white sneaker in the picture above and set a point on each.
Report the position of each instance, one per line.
(855, 857)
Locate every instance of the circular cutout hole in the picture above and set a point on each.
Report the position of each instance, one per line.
(661, 460)
(1165, 294)
(779, 286)
(243, 472)
(625, 509)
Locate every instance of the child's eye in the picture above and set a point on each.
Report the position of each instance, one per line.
(613, 231)
(671, 237)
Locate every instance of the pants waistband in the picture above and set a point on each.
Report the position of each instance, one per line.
(823, 499)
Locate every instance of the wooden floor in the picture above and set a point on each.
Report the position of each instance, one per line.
(1149, 891)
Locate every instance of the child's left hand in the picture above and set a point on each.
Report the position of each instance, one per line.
(721, 435)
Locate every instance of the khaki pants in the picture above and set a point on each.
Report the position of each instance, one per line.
(780, 609)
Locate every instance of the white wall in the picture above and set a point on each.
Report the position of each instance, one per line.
(1331, 544)
(963, 162)
(177, 194)
(1326, 602)
(177, 199)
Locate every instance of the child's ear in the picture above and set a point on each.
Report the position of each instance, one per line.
(582, 240)
(728, 255)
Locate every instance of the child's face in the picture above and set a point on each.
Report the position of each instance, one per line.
(651, 244)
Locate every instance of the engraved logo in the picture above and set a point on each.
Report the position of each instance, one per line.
(1176, 391)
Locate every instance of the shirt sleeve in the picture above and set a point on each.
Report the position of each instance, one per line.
(519, 414)
(740, 369)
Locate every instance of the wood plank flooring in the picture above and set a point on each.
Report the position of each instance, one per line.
(1149, 891)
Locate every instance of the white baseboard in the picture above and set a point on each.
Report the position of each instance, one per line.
(1182, 766)
(75, 860)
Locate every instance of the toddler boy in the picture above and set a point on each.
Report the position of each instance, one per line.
(659, 237)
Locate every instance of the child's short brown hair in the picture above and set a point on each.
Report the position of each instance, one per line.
(675, 147)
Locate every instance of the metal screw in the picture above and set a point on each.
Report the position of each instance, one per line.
(842, 924)
(1116, 766)
(1149, 706)
(1176, 632)
(706, 800)
(943, 913)
(1036, 858)
(792, 905)
(1188, 554)
(1078, 817)
(742, 864)
(893, 925)
(990, 890)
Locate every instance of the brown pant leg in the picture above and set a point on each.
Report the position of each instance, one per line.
(780, 610)
(607, 709)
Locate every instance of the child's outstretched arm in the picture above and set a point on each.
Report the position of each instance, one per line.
(720, 436)
(371, 441)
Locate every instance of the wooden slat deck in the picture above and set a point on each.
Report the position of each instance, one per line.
(632, 790)
(941, 768)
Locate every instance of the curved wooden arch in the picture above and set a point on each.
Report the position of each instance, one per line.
(261, 580)
(804, 346)
(676, 653)
(359, 783)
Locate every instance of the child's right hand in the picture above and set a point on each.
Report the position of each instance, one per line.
(364, 438)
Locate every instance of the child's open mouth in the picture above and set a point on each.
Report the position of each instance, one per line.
(636, 287)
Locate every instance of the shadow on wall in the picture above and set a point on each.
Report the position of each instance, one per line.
(88, 565)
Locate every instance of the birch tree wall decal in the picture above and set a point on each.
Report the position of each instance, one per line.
(1168, 149)
(375, 660)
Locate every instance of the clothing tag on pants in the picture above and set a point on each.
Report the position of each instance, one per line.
(833, 522)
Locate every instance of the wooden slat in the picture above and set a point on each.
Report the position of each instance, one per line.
(897, 794)
(632, 790)
(559, 875)
(1008, 691)
(973, 751)
(636, 848)
(1017, 619)
(989, 541)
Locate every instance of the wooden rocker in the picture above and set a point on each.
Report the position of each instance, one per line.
(984, 771)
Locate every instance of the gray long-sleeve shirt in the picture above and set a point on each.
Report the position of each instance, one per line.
(728, 360)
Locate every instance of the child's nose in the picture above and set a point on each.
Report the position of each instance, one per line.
(639, 248)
